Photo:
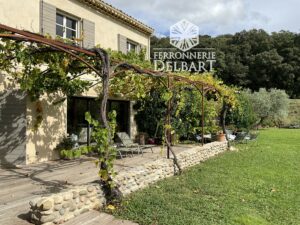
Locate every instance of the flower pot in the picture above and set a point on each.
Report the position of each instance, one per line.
(221, 137)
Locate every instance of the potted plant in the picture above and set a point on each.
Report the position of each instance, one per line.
(221, 136)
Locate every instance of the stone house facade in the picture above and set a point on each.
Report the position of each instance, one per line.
(90, 22)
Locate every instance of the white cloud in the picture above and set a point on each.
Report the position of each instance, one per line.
(213, 16)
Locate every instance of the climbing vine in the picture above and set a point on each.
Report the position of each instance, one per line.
(106, 151)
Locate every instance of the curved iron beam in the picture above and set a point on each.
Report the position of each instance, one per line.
(46, 42)
(127, 66)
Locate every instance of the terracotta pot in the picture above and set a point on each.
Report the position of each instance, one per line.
(221, 137)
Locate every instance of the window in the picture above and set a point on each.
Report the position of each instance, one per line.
(66, 27)
(78, 106)
(131, 47)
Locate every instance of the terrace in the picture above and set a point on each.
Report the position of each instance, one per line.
(21, 185)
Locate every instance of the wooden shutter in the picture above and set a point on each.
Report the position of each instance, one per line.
(141, 47)
(122, 44)
(138, 48)
(13, 127)
(88, 28)
(48, 19)
(144, 47)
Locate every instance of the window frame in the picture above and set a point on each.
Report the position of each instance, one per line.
(64, 25)
(130, 43)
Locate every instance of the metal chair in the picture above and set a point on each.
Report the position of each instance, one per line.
(128, 145)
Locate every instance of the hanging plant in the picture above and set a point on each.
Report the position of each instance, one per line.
(38, 116)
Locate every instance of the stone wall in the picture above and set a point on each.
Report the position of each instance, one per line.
(140, 177)
(200, 154)
(58, 208)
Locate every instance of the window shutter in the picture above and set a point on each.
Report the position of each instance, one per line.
(138, 48)
(122, 45)
(144, 47)
(48, 19)
(88, 28)
(141, 47)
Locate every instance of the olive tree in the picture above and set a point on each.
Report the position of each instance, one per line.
(269, 105)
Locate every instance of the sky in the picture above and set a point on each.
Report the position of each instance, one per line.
(215, 17)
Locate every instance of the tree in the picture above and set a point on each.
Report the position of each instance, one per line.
(279, 106)
(243, 116)
(272, 105)
(254, 59)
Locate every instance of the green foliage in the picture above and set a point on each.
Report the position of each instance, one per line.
(75, 153)
(254, 59)
(266, 108)
(187, 117)
(151, 113)
(243, 116)
(106, 152)
(279, 106)
(39, 70)
(270, 105)
(186, 106)
(65, 144)
(294, 113)
(185, 112)
(67, 151)
(128, 84)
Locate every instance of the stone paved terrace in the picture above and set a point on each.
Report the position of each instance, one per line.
(19, 186)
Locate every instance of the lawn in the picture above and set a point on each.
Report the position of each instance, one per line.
(259, 184)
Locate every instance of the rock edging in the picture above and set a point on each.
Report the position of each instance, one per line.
(133, 179)
(61, 207)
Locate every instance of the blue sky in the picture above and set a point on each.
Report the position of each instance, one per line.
(215, 17)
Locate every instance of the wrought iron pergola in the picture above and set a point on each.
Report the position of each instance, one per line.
(105, 71)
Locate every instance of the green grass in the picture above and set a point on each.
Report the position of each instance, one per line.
(258, 185)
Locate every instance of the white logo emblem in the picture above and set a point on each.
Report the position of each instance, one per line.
(184, 35)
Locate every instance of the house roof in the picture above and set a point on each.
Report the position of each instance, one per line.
(109, 10)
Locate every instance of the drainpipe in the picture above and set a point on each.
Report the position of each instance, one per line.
(88, 124)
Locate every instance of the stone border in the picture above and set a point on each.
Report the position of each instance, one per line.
(61, 207)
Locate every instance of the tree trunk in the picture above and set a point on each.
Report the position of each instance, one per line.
(223, 121)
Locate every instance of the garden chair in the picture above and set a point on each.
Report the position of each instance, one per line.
(121, 151)
(230, 135)
(241, 137)
(129, 146)
(207, 138)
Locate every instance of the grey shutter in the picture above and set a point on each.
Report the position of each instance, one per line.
(122, 44)
(138, 48)
(48, 19)
(13, 128)
(88, 28)
(147, 53)
(142, 47)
